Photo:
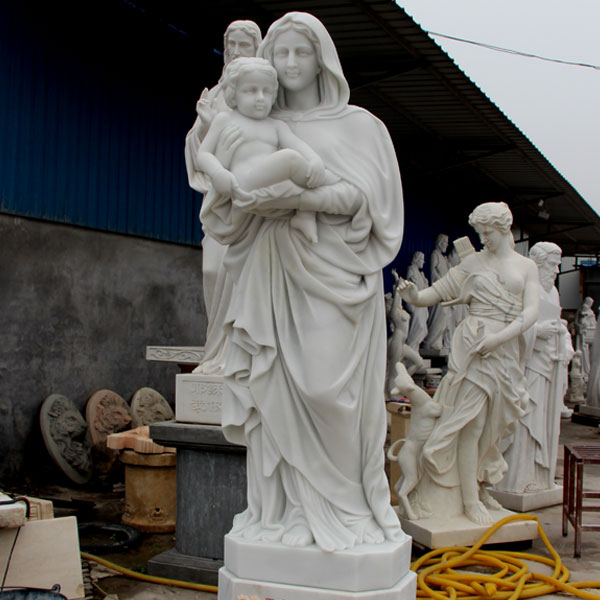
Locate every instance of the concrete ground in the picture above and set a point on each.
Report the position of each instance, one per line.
(108, 506)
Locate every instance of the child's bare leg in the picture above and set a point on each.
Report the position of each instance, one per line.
(305, 221)
(274, 168)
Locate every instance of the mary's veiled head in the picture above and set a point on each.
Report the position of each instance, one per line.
(332, 85)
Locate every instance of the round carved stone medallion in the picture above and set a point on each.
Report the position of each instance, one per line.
(67, 437)
(148, 406)
(106, 412)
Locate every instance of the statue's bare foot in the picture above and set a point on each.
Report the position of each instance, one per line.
(488, 500)
(298, 535)
(373, 533)
(477, 512)
(530, 488)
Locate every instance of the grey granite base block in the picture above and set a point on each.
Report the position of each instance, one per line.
(183, 567)
(211, 490)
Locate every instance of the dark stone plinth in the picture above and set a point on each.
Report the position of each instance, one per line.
(211, 490)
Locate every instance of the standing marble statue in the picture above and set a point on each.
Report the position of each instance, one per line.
(532, 451)
(483, 393)
(242, 38)
(439, 316)
(459, 311)
(585, 328)
(418, 314)
(306, 355)
(398, 349)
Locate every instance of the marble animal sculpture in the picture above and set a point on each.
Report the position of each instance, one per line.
(439, 316)
(398, 349)
(418, 314)
(269, 159)
(483, 393)
(242, 38)
(305, 370)
(424, 413)
(532, 448)
(585, 327)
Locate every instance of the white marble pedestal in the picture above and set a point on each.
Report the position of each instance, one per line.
(460, 531)
(529, 501)
(274, 571)
(198, 398)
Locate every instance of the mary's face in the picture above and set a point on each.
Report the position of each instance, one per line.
(295, 60)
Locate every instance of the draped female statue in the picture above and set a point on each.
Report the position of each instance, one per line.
(306, 350)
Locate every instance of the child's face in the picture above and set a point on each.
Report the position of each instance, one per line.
(254, 95)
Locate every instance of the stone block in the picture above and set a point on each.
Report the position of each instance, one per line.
(232, 587)
(198, 398)
(363, 568)
(46, 553)
(529, 501)
(461, 531)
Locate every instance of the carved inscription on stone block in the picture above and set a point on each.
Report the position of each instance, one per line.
(198, 398)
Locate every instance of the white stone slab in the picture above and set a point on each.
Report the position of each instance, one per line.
(589, 411)
(461, 531)
(366, 567)
(182, 355)
(11, 515)
(198, 398)
(236, 588)
(529, 501)
(46, 553)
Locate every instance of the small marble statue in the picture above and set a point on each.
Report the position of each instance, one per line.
(418, 314)
(423, 415)
(483, 394)
(585, 328)
(576, 391)
(67, 438)
(148, 407)
(242, 38)
(532, 449)
(398, 349)
(269, 154)
(439, 316)
(305, 375)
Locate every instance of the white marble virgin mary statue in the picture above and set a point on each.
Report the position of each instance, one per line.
(305, 368)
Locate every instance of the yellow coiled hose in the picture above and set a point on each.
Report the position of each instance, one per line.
(438, 578)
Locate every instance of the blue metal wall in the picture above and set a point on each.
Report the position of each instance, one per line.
(90, 133)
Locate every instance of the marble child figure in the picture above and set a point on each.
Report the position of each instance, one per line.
(268, 153)
(306, 352)
(241, 38)
(483, 393)
(531, 451)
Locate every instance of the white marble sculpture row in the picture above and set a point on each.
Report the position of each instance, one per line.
(298, 224)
